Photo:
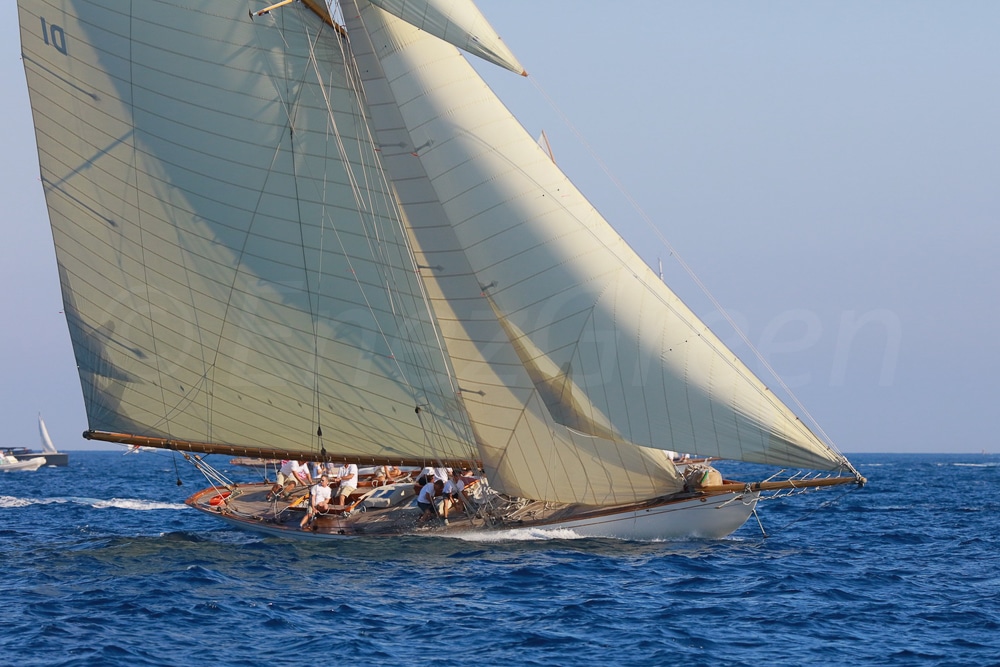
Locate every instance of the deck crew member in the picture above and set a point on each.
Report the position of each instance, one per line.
(425, 499)
(348, 478)
(452, 492)
(319, 500)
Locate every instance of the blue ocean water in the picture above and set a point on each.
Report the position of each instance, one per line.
(104, 565)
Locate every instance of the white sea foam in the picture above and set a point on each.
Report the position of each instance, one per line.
(136, 504)
(97, 503)
(517, 535)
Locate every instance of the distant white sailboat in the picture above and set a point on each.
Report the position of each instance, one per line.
(52, 455)
(43, 433)
(287, 238)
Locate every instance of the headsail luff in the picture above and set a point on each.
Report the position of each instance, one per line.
(561, 274)
(231, 261)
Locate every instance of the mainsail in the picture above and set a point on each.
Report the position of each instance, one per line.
(231, 260)
(275, 239)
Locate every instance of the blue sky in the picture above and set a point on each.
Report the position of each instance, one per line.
(828, 170)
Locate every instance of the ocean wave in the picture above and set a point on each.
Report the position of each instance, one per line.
(879, 573)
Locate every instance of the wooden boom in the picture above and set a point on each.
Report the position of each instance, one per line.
(236, 450)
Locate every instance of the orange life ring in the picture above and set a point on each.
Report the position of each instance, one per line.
(218, 499)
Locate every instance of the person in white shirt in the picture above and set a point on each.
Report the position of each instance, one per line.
(425, 499)
(452, 492)
(300, 470)
(348, 477)
(286, 480)
(319, 501)
(285, 471)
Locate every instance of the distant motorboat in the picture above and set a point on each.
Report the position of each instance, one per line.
(9, 463)
(49, 455)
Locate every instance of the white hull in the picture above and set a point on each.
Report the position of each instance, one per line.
(712, 517)
(23, 466)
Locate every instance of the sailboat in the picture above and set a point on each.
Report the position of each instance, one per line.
(53, 456)
(310, 231)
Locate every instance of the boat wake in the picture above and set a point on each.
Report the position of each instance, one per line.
(114, 503)
(518, 535)
(136, 504)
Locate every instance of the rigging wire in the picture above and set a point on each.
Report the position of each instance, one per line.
(368, 211)
(826, 503)
(318, 291)
(176, 471)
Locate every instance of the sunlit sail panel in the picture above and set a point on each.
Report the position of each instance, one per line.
(231, 262)
(458, 22)
(525, 451)
(553, 267)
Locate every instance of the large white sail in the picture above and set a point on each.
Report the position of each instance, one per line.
(544, 260)
(231, 261)
(524, 450)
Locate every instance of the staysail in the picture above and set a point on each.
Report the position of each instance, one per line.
(231, 260)
(546, 262)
